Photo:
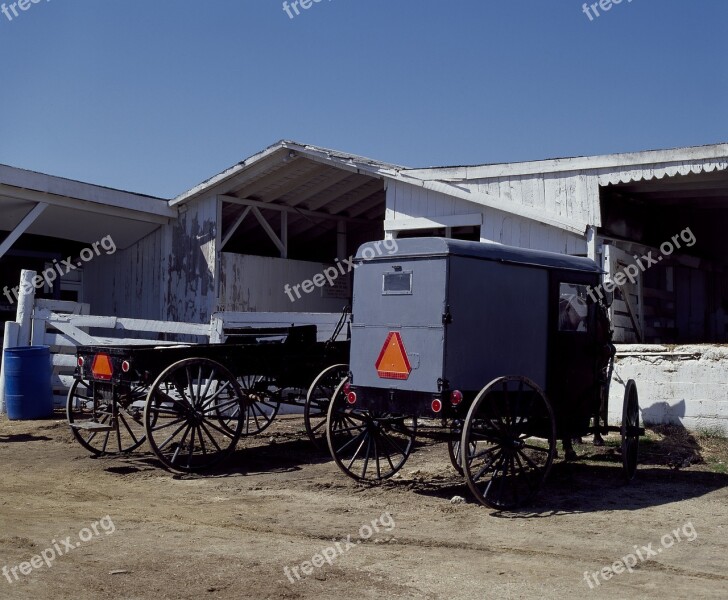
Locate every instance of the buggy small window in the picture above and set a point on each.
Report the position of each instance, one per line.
(573, 307)
(399, 282)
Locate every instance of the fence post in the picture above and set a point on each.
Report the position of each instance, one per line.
(26, 299)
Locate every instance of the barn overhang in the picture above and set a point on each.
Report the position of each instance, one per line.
(53, 207)
(292, 198)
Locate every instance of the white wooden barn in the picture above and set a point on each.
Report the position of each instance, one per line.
(233, 242)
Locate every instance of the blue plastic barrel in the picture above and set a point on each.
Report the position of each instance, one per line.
(28, 391)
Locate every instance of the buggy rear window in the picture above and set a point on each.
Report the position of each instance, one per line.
(399, 282)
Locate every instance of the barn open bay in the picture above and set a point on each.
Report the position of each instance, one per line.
(277, 503)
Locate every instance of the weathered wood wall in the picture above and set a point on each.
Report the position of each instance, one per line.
(256, 284)
(128, 283)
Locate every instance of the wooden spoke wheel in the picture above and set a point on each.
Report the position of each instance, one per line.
(185, 411)
(102, 424)
(510, 437)
(453, 447)
(368, 447)
(318, 399)
(260, 406)
(630, 430)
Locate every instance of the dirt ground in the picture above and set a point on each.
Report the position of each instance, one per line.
(276, 503)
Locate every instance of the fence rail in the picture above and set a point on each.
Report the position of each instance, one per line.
(63, 326)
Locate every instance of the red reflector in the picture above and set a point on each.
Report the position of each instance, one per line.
(436, 405)
(347, 387)
(80, 361)
(456, 397)
(101, 367)
(351, 397)
(393, 362)
(125, 366)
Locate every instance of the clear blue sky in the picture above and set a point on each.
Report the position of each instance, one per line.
(156, 95)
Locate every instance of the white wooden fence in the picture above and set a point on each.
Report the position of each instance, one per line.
(63, 326)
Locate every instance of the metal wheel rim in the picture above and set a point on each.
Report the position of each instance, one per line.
(316, 411)
(128, 433)
(185, 408)
(514, 463)
(377, 453)
(630, 422)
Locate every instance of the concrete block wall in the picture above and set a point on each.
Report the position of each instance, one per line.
(682, 385)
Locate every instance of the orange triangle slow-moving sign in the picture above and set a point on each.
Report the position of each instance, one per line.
(393, 362)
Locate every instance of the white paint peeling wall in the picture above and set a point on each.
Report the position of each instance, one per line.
(684, 385)
(190, 264)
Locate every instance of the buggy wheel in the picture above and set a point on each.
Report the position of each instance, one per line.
(453, 447)
(104, 426)
(318, 399)
(368, 447)
(185, 411)
(630, 430)
(510, 437)
(260, 407)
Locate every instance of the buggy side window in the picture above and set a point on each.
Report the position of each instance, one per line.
(573, 307)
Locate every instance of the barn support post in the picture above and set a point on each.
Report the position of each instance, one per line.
(26, 299)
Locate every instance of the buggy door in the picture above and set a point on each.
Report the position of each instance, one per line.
(572, 380)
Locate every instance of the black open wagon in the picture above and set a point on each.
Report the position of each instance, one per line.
(194, 402)
(499, 351)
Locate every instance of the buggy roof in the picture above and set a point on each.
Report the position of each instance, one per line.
(434, 246)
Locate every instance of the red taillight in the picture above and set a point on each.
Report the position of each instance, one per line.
(101, 367)
(125, 366)
(351, 397)
(456, 397)
(436, 405)
(347, 387)
(80, 362)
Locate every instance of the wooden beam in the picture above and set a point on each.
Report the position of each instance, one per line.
(284, 234)
(235, 226)
(337, 194)
(21, 228)
(269, 230)
(160, 217)
(335, 178)
(289, 209)
(433, 223)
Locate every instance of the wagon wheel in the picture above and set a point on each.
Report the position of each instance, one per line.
(260, 407)
(505, 463)
(97, 428)
(453, 447)
(630, 430)
(318, 399)
(367, 446)
(185, 408)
